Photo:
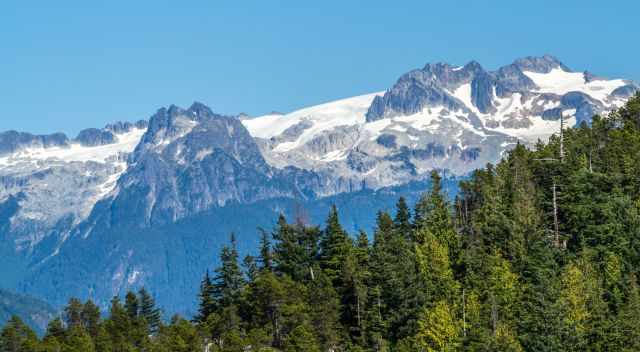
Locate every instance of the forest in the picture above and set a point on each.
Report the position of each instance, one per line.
(537, 253)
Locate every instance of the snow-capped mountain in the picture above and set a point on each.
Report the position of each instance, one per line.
(55, 182)
(147, 203)
(440, 116)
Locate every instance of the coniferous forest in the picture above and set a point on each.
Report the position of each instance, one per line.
(538, 253)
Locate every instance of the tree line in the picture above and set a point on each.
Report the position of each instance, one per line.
(537, 253)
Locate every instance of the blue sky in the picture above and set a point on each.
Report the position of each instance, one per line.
(67, 65)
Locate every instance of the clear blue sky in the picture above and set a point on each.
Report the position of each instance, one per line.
(66, 65)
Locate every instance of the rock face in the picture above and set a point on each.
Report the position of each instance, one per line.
(150, 203)
(12, 141)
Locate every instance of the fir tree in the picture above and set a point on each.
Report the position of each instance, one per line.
(148, 311)
(131, 305)
(91, 318)
(438, 329)
(250, 267)
(207, 303)
(229, 281)
(402, 219)
(266, 256)
(16, 336)
(334, 247)
(73, 312)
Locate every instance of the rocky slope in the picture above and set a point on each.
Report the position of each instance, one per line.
(148, 203)
(440, 116)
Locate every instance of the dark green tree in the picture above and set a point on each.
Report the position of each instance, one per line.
(207, 303)
(148, 310)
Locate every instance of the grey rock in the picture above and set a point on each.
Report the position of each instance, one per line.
(542, 64)
(92, 137)
(482, 92)
(552, 114)
(387, 141)
(12, 141)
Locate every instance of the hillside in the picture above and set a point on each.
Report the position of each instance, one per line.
(34, 312)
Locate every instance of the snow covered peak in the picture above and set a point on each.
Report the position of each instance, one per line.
(440, 116)
(57, 185)
(344, 112)
(560, 82)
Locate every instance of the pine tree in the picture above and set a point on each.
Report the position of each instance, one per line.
(376, 325)
(580, 304)
(91, 318)
(131, 305)
(16, 336)
(250, 267)
(325, 312)
(394, 274)
(73, 312)
(627, 326)
(301, 339)
(55, 329)
(438, 329)
(229, 281)
(538, 319)
(266, 256)
(149, 312)
(78, 340)
(433, 214)
(402, 219)
(207, 303)
(290, 255)
(334, 247)
(434, 267)
(119, 326)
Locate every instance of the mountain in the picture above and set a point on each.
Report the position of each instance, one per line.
(151, 203)
(441, 116)
(32, 311)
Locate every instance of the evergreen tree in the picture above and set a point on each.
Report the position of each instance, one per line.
(402, 219)
(433, 214)
(91, 318)
(78, 340)
(229, 281)
(301, 339)
(266, 256)
(438, 329)
(16, 336)
(291, 252)
(626, 334)
(207, 304)
(131, 305)
(325, 312)
(118, 327)
(334, 248)
(250, 267)
(73, 312)
(149, 312)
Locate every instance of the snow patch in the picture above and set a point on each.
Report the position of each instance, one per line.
(345, 112)
(125, 143)
(559, 81)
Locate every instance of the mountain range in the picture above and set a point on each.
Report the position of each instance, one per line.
(150, 203)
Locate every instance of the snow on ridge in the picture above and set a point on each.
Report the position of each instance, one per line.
(126, 143)
(560, 82)
(344, 112)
